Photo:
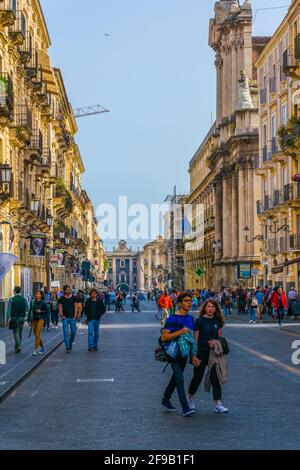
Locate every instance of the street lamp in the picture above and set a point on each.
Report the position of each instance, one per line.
(246, 233)
(283, 228)
(35, 204)
(217, 245)
(49, 220)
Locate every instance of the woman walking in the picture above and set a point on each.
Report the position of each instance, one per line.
(37, 314)
(279, 303)
(208, 329)
(54, 309)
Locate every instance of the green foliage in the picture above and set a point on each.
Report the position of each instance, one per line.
(289, 134)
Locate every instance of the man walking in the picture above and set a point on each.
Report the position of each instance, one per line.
(68, 311)
(94, 309)
(16, 313)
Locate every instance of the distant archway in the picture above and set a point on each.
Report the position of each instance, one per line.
(123, 287)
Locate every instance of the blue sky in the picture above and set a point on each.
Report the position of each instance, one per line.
(155, 72)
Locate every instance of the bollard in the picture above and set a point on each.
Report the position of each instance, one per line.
(2, 353)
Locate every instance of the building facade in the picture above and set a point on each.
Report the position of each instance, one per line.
(124, 268)
(44, 220)
(278, 207)
(153, 262)
(229, 179)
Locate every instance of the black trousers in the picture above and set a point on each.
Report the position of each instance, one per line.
(198, 376)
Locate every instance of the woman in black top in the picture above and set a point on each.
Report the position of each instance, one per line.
(208, 329)
(37, 314)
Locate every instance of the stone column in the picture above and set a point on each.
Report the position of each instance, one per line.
(241, 211)
(114, 266)
(218, 214)
(250, 209)
(130, 273)
(224, 78)
(219, 67)
(150, 268)
(235, 219)
(234, 76)
(226, 217)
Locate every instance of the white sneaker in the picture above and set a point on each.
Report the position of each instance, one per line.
(35, 352)
(254, 323)
(221, 409)
(251, 321)
(191, 403)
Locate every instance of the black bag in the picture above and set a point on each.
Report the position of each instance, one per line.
(224, 344)
(13, 324)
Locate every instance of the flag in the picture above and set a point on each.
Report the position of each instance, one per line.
(7, 260)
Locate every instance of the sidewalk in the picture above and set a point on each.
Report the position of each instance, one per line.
(267, 319)
(19, 366)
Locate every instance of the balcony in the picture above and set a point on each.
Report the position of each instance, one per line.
(21, 129)
(44, 166)
(294, 243)
(272, 85)
(8, 11)
(290, 65)
(34, 150)
(25, 49)
(263, 96)
(6, 100)
(278, 198)
(31, 68)
(17, 32)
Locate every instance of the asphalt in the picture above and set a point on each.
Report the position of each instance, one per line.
(111, 400)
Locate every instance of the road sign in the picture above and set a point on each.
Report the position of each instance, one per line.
(244, 270)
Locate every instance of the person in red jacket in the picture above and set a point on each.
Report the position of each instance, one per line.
(165, 302)
(279, 303)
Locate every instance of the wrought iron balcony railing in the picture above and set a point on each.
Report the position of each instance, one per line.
(23, 116)
(274, 146)
(31, 67)
(25, 49)
(8, 12)
(17, 32)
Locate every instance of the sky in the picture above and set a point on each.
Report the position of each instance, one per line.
(155, 73)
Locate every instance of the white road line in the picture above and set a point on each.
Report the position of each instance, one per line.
(157, 326)
(94, 380)
(2, 384)
(266, 358)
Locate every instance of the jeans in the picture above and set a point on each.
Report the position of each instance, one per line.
(69, 323)
(47, 317)
(198, 376)
(93, 336)
(54, 317)
(226, 310)
(177, 381)
(18, 334)
(280, 312)
(252, 313)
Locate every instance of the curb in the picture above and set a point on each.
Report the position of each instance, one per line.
(27, 374)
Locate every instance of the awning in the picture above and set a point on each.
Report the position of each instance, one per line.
(48, 74)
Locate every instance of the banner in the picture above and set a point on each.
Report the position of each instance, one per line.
(7, 260)
(37, 245)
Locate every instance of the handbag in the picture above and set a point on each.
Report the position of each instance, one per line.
(13, 324)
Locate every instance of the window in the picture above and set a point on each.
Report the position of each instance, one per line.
(274, 126)
(122, 263)
(283, 115)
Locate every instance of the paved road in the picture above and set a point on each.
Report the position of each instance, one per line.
(111, 399)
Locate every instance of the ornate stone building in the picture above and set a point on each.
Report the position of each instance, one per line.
(153, 262)
(279, 204)
(232, 159)
(124, 268)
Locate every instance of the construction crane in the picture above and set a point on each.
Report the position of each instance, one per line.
(90, 111)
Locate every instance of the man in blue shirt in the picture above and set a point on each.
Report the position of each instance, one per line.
(179, 324)
(260, 300)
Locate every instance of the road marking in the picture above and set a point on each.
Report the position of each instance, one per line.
(2, 384)
(266, 358)
(94, 380)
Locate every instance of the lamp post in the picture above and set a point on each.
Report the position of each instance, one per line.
(34, 205)
(49, 220)
(283, 228)
(246, 233)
